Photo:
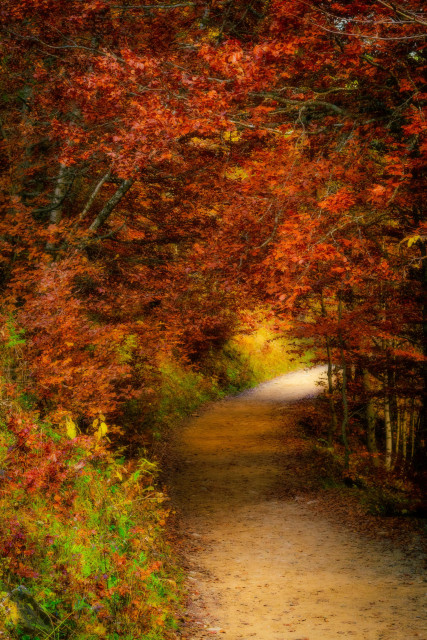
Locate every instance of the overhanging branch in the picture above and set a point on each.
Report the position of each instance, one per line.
(301, 103)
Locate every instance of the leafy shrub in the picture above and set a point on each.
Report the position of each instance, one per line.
(82, 531)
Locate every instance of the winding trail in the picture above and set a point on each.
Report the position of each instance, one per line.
(265, 568)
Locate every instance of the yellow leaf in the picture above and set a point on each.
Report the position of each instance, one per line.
(71, 428)
(99, 630)
(95, 423)
(236, 173)
(204, 143)
(101, 417)
(119, 475)
(232, 136)
(413, 240)
(102, 431)
(213, 33)
(10, 610)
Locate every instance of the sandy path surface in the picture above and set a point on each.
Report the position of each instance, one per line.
(268, 569)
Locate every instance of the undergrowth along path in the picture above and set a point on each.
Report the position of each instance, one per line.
(269, 568)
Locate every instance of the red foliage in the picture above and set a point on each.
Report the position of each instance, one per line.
(167, 165)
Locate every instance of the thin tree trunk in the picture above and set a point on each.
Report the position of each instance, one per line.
(388, 427)
(59, 195)
(111, 204)
(371, 417)
(405, 422)
(422, 430)
(344, 424)
(394, 407)
(399, 416)
(333, 424)
(413, 421)
(94, 193)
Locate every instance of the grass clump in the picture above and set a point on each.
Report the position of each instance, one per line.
(181, 390)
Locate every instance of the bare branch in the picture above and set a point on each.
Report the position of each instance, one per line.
(367, 36)
(74, 45)
(412, 17)
(153, 6)
(403, 12)
(301, 103)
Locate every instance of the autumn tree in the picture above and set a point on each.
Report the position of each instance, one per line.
(326, 219)
(167, 163)
(100, 107)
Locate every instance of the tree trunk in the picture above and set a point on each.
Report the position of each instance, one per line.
(333, 424)
(399, 418)
(413, 430)
(344, 424)
(405, 423)
(370, 414)
(388, 430)
(421, 453)
(59, 195)
(93, 195)
(111, 204)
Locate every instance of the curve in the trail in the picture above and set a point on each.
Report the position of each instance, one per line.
(268, 569)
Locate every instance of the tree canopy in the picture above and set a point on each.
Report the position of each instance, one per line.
(169, 164)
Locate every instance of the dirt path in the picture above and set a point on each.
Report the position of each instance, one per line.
(268, 569)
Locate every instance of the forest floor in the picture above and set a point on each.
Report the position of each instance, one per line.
(270, 554)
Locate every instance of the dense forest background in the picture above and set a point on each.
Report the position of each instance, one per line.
(184, 186)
